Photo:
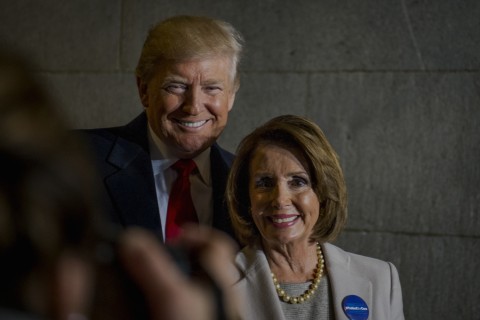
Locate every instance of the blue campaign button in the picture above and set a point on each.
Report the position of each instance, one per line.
(355, 308)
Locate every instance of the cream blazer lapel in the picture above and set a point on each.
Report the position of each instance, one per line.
(373, 280)
(256, 287)
(343, 280)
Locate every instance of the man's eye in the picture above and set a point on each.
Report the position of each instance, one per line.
(175, 88)
(212, 89)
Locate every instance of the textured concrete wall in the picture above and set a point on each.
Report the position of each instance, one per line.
(394, 84)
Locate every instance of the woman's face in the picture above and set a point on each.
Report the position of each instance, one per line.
(284, 206)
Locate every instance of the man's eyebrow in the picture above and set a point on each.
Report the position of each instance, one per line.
(212, 81)
(179, 79)
(174, 78)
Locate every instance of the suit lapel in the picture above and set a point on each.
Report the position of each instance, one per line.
(344, 279)
(220, 162)
(132, 187)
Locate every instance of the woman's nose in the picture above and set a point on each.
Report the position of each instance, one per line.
(280, 196)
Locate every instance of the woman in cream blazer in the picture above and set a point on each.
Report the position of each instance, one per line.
(287, 201)
(375, 281)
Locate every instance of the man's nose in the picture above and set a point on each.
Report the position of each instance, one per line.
(193, 101)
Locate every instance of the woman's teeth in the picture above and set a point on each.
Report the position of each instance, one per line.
(282, 220)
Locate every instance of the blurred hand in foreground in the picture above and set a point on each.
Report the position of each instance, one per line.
(169, 292)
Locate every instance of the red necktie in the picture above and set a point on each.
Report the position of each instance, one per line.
(180, 206)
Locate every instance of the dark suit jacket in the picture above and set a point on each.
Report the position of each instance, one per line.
(124, 165)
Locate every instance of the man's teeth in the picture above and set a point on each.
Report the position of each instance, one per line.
(289, 219)
(193, 124)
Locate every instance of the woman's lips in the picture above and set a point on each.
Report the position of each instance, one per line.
(283, 221)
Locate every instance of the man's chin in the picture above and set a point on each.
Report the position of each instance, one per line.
(191, 149)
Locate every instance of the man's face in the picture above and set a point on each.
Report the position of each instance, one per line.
(187, 103)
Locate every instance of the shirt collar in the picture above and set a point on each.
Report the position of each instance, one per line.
(161, 154)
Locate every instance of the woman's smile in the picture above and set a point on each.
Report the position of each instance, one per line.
(283, 221)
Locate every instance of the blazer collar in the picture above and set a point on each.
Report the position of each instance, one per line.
(344, 279)
(257, 285)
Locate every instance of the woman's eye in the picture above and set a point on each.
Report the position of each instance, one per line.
(299, 182)
(263, 182)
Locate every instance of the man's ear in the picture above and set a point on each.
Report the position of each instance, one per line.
(236, 86)
(142, 91)
(231, 100)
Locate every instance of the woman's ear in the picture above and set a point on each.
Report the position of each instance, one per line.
(73, 287)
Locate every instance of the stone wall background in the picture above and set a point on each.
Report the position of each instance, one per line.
(394, 84)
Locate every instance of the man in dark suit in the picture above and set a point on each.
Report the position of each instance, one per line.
(187, 80)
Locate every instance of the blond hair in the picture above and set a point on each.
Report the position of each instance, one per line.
(183, 38)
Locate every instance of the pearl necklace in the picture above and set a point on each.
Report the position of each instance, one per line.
(311, 289)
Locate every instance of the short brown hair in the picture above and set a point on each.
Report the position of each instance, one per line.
(324, 169)
(187, 37)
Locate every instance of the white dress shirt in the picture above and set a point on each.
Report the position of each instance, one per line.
(200, 182)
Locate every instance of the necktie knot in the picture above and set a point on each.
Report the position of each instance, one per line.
(184, 167)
